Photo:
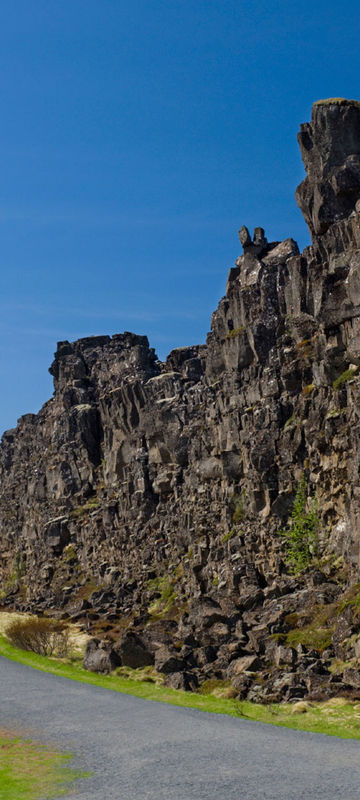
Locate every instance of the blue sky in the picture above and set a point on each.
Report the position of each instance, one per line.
(135, 139)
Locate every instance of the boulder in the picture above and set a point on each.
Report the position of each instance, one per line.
(244, 664)
(133, 651)
(100, 658)
(168, 661)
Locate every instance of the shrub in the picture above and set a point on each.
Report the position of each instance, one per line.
(301, 535)
(41, 635)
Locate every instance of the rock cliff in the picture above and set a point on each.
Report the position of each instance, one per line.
(150, 500)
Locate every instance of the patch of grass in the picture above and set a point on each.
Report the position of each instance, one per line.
(143, 674)
(213, 685)
(229, 535)
(312, 628)
(18, 571)
(308, 389)
(90, 505)
(306, 347)
(351, 598)
(163, 604)
(316, 638)
(344, 377)
(305, 343)
(69, 553)
(29, 770)
(235, 332)
(336, 412)
(343, 721)
(289, 422)
(337, 666)
(238, 507)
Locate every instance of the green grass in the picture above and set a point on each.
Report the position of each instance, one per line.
(344, 377)
(235, 332)
(316, 638)
(228, 536)
(30, 771)
(161, 606)
(328, 718)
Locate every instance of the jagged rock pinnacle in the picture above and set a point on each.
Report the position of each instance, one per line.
(330, 149)
(255, 246)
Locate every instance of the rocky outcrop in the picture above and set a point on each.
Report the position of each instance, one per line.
(146, 499)
(330, 149)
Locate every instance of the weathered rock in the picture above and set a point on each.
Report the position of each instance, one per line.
(351, 676)
(167, 661)
(330, 148)
(186, 681)
(285, 655)
(244, 664)
(149, 496)
(100, 658)
(133, 651)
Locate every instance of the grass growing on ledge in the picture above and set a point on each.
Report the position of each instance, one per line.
(344, 377)
(29, 770)
(335, 717)
(235, 332)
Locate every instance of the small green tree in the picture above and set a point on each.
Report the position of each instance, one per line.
(301, 535)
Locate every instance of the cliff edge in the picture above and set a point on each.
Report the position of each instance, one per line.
(152, 501)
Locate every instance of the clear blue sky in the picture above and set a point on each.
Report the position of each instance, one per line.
(136, 137)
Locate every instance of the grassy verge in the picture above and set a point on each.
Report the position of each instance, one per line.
(31, 771)
(335, 717)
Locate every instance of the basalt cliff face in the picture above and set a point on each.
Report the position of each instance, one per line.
(146, 499)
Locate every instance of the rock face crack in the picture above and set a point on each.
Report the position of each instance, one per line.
(146, 498)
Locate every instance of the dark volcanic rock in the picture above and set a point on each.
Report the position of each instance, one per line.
(167, 661)
(99, 657)
(330, 148)
(134, 652)
(146, 498)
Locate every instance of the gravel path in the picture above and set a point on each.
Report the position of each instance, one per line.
(139, 749)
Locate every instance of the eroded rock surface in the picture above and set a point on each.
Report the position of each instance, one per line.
(146, 499)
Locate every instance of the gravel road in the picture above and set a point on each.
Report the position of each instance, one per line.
(139, 749)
